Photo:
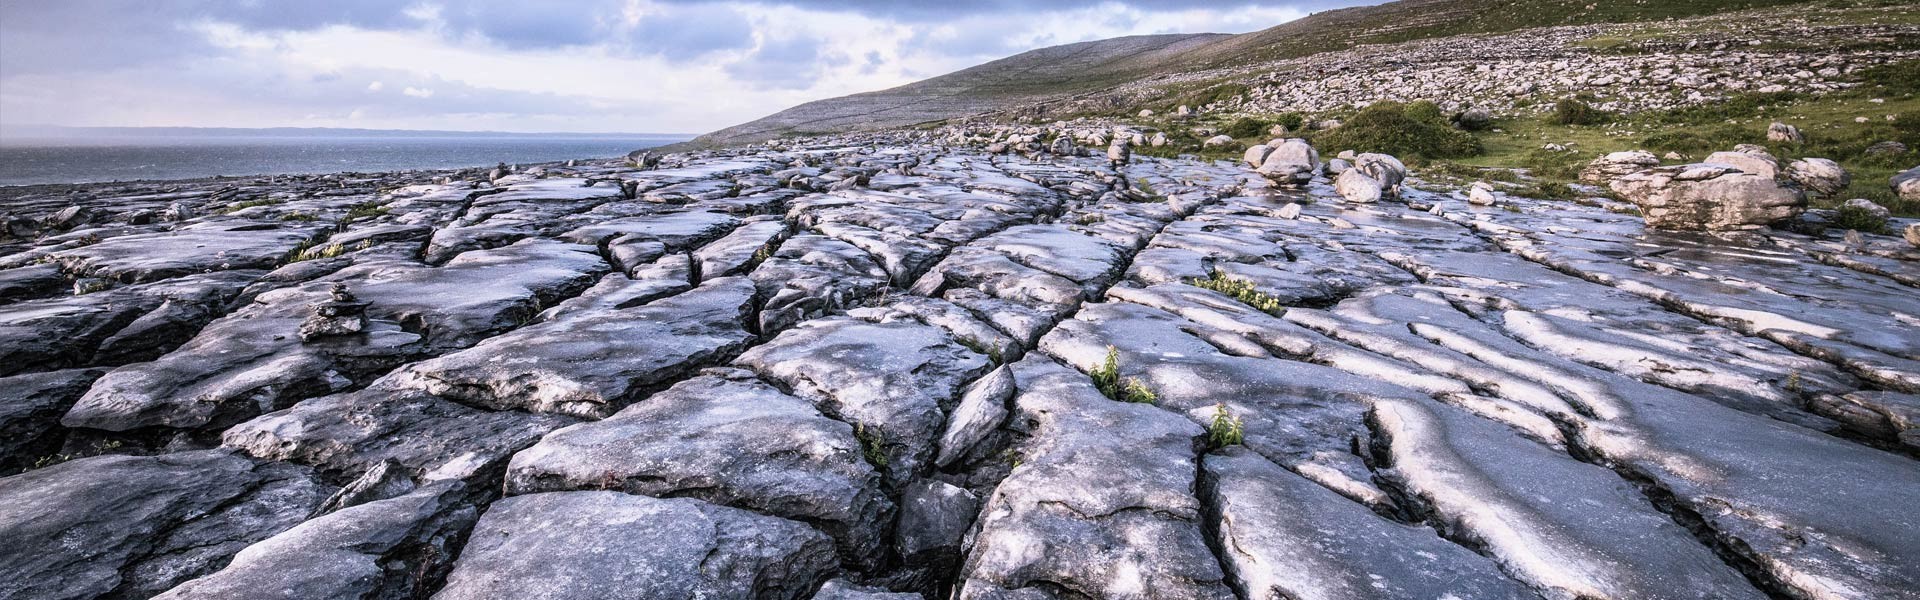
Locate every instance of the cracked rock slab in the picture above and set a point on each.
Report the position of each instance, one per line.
(728, 439)
(612, 545)
(133, 526)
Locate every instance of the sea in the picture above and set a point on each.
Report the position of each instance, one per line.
(89, 155)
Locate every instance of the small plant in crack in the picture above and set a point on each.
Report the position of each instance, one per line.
(993, 352)
(872, 448)
(1226, 429)
(1793, 382)
(1106, 378)
(1242, 290)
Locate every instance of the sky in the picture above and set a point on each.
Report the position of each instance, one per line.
(654, 66)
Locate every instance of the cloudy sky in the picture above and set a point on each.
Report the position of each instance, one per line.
(520, 65)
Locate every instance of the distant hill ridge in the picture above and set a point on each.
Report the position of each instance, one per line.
(1059, 71)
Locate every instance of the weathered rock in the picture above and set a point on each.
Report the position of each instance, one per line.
(132, 527)
(30, 409)
(1355, 186)
(591, 364)
(1820, 177)
(1758, 163)
(1481, 194)
(980, 411)
(351, 434)
(1256, 155)
(1708, 197)
(1218, 141)
(1912, 234)
(389, 549)
(1382, 168)
(893, 381)
(1868, 207)
(1285, 536)
(1605, 169)
(1116, 516)
(1906, 184)
(1784, 133)
(612, 545)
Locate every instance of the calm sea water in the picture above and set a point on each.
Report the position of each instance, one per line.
(25, 161)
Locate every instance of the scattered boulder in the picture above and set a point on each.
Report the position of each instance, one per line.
(1293, 162)
(1480, 194)
(1120, 152)
(1385, 169)
(1708, 197)
(1605, 169)
(1256, 154)
(1887, 147)
(1913, 234)
(1218, 141)
(1355, 186)
(1784, 133)
(1337, 166)
(1820, 177)
(1906, 184)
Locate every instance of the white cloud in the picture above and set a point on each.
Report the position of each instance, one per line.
(721, 64)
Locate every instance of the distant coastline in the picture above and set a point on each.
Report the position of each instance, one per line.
(55, 155)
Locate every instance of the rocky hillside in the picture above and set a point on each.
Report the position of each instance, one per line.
(1118, 74)
(1023, 79)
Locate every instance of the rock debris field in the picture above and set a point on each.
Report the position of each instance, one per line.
(876, 367)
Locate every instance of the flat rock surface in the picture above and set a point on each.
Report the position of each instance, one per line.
(894, 365)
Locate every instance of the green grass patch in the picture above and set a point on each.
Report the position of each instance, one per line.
(1242, 290)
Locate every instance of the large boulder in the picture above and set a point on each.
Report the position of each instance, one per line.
(1355, 186)
(1293, 162)
(1605, 169)
(1218, 141)
(1121, 151)
(1383, 168)
(1708, 197)
(1819, 177)
(1913, 234)
(1256, 154)
(1906, 184)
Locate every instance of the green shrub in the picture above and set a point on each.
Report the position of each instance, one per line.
(1574, 111)
(1246, 127)
(1293, 120)
(1858, 219)
(1403, 130)
(1555, 165)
